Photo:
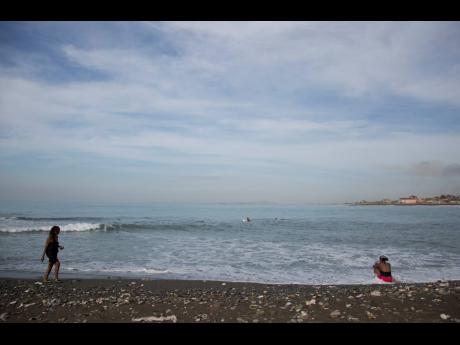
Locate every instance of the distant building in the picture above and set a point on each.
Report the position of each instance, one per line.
(409, 201)
(414, 200)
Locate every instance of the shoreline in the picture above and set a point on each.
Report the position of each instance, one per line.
(78, 275)
(124, 299)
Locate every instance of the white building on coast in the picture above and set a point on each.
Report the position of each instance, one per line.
(412, 200)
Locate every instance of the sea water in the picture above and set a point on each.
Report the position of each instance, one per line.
(308, 244)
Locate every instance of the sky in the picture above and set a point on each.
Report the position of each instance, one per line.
(279, 112)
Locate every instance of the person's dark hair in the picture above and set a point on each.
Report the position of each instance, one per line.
(383, 258)
(53, 232)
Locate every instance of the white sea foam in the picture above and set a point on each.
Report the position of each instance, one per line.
(67, 227)
(376, 280)
(120, 270)
(8, 218)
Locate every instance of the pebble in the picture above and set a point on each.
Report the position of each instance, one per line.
(444, 316)
(4, 316)
(376, 293)
(310, 302)
(370, 315)
(335, 313)
(172, 318)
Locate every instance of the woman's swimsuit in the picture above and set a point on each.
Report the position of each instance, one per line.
(385, 276)
(52, 250)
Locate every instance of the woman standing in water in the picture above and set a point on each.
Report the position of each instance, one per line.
(51, 250)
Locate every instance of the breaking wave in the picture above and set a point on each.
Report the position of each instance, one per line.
(67, 227)
(87, 226)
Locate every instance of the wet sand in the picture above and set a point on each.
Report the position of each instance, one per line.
(184, 301)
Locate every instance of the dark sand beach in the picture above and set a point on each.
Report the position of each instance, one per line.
(182, 301)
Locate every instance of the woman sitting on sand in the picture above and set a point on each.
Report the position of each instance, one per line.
(51, 250)
(382, 269)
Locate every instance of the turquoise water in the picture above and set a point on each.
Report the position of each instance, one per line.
(313, 244)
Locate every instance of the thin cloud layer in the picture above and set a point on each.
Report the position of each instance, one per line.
(303, 106)
(435, 169)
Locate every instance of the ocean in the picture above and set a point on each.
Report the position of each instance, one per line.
(294, 244)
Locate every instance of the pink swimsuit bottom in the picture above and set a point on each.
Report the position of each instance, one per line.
(386, 279)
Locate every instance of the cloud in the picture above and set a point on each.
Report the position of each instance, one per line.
(355, 59)
(452, 170)
(304, 100)
(433, 168)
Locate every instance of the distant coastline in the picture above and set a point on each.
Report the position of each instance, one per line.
(413, 200)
